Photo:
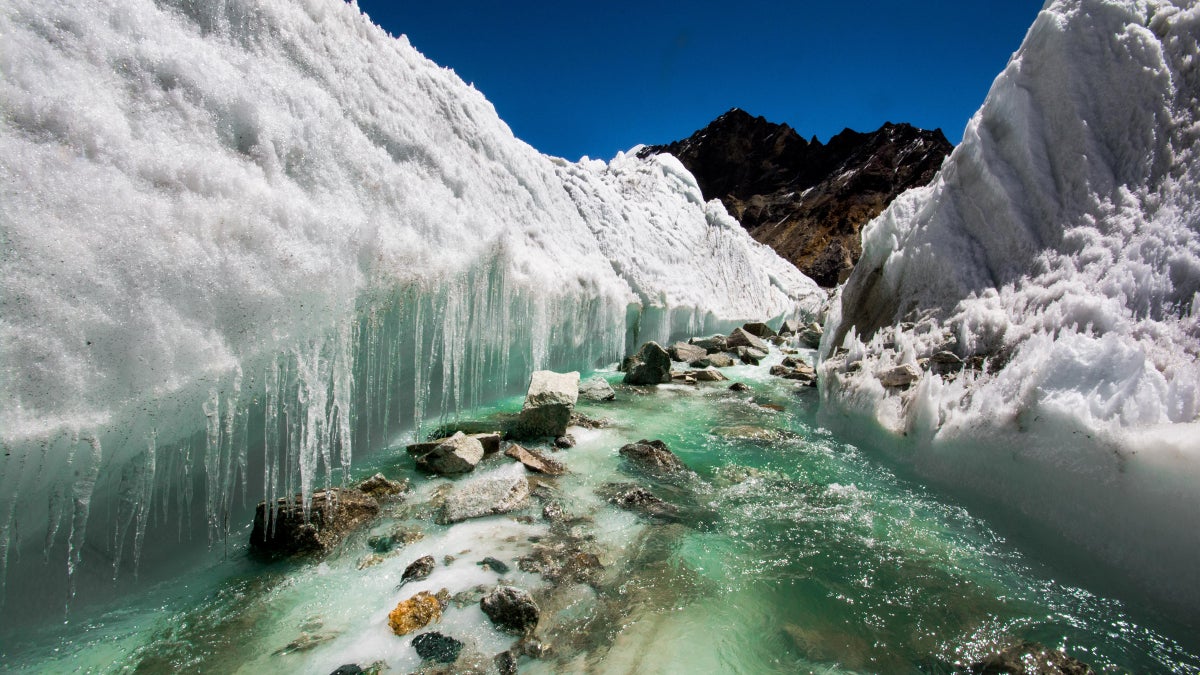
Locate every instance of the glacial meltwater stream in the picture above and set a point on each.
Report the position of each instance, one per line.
(790, 551)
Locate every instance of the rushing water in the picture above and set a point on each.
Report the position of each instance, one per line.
(791, 552)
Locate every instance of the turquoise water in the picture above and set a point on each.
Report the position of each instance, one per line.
(790, 551)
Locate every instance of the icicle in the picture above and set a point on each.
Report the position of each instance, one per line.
(82, 502)
(212, 461)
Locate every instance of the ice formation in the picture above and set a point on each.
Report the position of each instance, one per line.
(1060, 247)
(241, 238)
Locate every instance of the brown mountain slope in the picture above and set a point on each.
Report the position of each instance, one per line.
(805, 199)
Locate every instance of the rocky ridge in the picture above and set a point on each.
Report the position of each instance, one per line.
(807, 199)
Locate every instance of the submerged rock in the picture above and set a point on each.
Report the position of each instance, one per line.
(498, 491)
(379, 487)
(398, 537)
(510, 608)
(636, 498)
(497, 566)
(746, 432)
(535, 461)
(332, 515)
(653, 457)
(686, 353)
(597, 389)
(564, 442)
(415, 613)
(651, 365)
(548, 404)
(740, 338)
(434, 646)
(506, 663)
(1030, 658)
(581, 420)
(419, 569)
(458, 454)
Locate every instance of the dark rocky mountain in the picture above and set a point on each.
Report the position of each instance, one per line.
(805, 199)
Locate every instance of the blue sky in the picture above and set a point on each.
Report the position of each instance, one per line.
(574, 78)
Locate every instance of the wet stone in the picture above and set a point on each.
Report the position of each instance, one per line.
(564, 442)
(379, 487)
(497, 566)
(653, 457)
(419, 569)
(510, 608)
(434, 646)
(506, 663)
(348, 669)
(739, 387)
(415, 613)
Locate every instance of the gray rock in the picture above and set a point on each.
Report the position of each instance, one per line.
(707, 375)
(686, 353)
(790, 327)
(636, 498)
(419, 569)
(498, 491)
(802, 373)
(653, 457)
(810, 336)
(548, 404)
(564, 442)
(739, 387)
(457, 454)
(758, 329)
(511, 609)
(741, 338)
(720, 360)
(596, 389)
(712, 345)
(651, 365)
(750, 356)
(899, 376)
(535, 461)
(497, 566)
(331, 516)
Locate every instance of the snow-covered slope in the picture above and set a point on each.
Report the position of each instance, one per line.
(218, 212)
(1060, 247)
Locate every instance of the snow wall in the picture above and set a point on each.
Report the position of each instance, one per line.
(1060, 247)
(246, 239)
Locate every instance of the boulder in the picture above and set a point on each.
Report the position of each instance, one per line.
(548, 404)
(712, 345)
(740, 338)
(758, 329)
(686, 353)
(457, 454)
(380, 487)
(596, 389)
(511, 609)
(498, 491)
(750, 356)
(739, 387)
(415, 613)
(810, 336)
(490, 441)
(651, 365)
(535, 461)
(433, 646)
(707, 375)
(418, 569)
(653, 457)
(635, 498)
(790, 327)
(720, 360)
(332, 515)
(899, 376)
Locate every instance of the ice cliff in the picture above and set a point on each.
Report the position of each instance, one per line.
(241, 237)
(1058, 254)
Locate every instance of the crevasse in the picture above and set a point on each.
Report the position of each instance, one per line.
(245, 240)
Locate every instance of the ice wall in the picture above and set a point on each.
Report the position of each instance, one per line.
(1058, 252)
(244, 239)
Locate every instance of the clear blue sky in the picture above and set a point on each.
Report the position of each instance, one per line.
(575, 78)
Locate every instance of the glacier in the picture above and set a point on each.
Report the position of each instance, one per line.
(1058, 253)
(244, 240)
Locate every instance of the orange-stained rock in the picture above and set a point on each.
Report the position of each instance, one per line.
(414, 613)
